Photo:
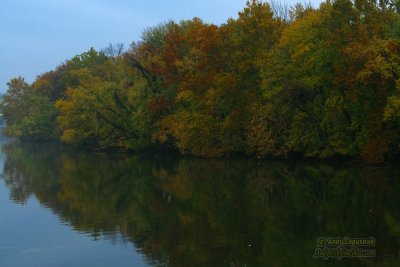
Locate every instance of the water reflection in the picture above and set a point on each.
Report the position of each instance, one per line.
(194, 212)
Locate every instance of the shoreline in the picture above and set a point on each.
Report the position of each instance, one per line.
(175, 153)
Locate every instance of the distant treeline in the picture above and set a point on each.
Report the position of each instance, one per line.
(276, 81)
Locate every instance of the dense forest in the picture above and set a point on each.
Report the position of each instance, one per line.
(275, 81)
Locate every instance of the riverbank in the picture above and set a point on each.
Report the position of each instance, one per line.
(174, 153)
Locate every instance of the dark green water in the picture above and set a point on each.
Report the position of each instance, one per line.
(60, 207)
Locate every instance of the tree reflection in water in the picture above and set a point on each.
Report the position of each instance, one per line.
(197, 212)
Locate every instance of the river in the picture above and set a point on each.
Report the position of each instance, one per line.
(62, 207)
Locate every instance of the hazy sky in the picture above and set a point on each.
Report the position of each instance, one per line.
(38, 35)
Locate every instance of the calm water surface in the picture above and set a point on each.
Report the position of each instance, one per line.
(60, 207)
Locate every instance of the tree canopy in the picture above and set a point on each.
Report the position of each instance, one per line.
(275, 81)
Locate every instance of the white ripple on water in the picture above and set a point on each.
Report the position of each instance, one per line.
(7, 248)
(35, 251)
(42, 250)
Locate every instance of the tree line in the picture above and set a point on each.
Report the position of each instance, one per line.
(275, 81)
